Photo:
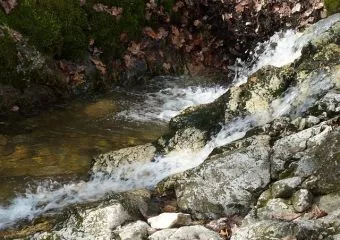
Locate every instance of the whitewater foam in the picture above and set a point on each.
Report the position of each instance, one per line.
(169, 102)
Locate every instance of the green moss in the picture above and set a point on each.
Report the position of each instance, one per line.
(167, 4)
(55, 27)
(8, 59)
(332, 6)
(106, 29)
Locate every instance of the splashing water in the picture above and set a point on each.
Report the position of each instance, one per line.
(168, 102)
(140, 175)
(281, 49)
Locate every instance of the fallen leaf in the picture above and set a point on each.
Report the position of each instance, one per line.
(8, 5)
(100, 66)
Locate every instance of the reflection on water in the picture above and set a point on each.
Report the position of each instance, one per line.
(61, 142)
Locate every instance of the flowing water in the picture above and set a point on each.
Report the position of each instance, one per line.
(154, 109)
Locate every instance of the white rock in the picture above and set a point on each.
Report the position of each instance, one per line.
(168, 220)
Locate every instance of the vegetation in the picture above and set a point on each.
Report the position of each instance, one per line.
(106, 30)
(8, 59)
(333, 6)
(62, 28)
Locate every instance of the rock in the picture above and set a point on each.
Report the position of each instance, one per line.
(285, 188)
(312, 121)
(108, 162)
(267, 229)
(205, 117)
(103, 220)
(191, 138)
(186, 233)
(227, 182)
(275, 209)
(168, 220)
(132, 231)
(302, 200)
(94, 223)
(329, 203)
(290, 149)
(163, 234)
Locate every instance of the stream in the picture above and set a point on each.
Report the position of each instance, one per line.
(44, 165)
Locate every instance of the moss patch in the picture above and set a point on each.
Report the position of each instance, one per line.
(8, 59)
(332, 6)
(55, 27)
(106, 29)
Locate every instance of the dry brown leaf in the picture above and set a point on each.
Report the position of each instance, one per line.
(151, 33)
(8, 5)
(100, 66)
(113, 11)
(287, 216)
(135, 49)
(317, 212)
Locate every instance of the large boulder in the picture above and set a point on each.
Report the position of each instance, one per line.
(228, 182)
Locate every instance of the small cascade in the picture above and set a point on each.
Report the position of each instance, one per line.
(281, 49)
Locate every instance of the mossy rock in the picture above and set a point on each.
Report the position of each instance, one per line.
(55, 27)
(332, 6)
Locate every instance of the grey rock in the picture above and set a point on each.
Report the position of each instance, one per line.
(292, 148)
(329, 203)
(227, 182)
(186, 233)
(132, 231)
(191, 138)
(94, 223)
(302, 200)
(312, 121)
(285, 188)
(276, 208)
(163, 234)
(108, 162)
(267, 229)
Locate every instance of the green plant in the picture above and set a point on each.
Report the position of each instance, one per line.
(55, 27)
(8, 59)
(106, 29)
(332, 6)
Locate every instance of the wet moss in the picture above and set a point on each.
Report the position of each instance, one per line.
(55, 27)
(106, 29)
(8, 59)
(332, 6)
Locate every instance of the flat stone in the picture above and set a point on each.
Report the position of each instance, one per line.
(168, 220)
(226, 183)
